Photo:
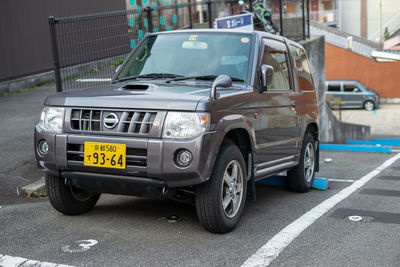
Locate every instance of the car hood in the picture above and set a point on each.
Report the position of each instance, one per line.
(164, 96)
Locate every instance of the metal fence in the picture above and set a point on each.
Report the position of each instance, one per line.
(87, 49)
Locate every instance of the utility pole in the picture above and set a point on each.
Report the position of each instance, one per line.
(380, 21)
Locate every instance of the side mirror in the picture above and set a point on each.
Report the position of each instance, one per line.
(118, 68)
(220, 81)
(267, 75)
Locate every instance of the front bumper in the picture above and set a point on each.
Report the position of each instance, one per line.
(156, 157)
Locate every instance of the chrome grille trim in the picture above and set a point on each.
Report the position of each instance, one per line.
(130, 121)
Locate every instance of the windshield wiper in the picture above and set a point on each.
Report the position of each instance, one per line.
(202, 77)
(150, 75)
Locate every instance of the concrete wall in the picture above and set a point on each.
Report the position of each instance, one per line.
(351, 16)
(331, 130)
(390, 17)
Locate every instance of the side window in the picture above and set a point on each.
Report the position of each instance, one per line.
(302, 66)
(275, 55)
(350, 88)
(334, 87)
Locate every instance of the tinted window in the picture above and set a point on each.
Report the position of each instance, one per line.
(275, 55)
(349, 88)
(302, 66)
(334, 87)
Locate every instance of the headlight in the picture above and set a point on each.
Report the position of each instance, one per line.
(185, 124)
(52, 119)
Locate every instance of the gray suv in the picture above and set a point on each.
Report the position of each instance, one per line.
(193, 116)
(351, 94)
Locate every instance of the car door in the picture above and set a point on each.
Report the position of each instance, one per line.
(352, 95)
(278, 132)
(334, 94)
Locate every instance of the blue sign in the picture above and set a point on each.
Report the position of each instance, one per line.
(243, 22)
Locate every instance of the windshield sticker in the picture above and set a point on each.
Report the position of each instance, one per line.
(193, 37)
(244, 40)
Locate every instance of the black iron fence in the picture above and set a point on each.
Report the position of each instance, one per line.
(87, 49)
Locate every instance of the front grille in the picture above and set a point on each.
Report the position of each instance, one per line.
(130, 122)
(135, 157)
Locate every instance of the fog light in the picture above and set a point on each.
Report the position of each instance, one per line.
(43, 147)
(183, 158)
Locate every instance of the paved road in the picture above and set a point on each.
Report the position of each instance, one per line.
(19, 113)
(135, 231)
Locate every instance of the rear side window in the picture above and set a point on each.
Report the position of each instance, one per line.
(334, 87)
(302, 66)
(350, 88)
(275, 55)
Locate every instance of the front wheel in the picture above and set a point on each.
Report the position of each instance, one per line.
(220, 200)
(369, 105)
(68, 199)
(301, 177)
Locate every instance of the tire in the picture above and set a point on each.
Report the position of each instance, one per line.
(301, 177)
(218, 205)
(67, 199)
(369, 105)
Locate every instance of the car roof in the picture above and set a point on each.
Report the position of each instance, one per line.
(230, 31)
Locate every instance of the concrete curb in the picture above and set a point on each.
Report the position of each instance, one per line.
(35, 189)
(25, 82)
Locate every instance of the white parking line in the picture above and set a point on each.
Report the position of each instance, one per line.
(10, 261)
(271, 250)
(340, 180)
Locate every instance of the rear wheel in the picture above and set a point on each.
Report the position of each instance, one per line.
(369, 105)
(301, 177)
(220, 200)
(68, 199)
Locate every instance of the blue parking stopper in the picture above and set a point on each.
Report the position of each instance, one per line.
(280, 180)
(320, 183)
(277, 180)
(359, 148)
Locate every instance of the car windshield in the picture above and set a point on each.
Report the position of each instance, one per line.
(190, 55)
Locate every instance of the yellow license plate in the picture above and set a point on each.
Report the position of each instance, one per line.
(105, 155)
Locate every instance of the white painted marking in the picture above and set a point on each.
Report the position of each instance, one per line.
(271, 250)
(355, 218)
(328, 160)
(10, 261)
(395, 150)
(79, 246)
(94, 80)
(340, 180)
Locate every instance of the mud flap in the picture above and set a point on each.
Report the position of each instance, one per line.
(251, 184)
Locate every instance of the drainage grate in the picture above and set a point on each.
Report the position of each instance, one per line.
(366, 216)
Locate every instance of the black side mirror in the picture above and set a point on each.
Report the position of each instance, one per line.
(220, 81)
(267, 75)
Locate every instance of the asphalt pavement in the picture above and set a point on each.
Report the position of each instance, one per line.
(19, 113)
(132, 231)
